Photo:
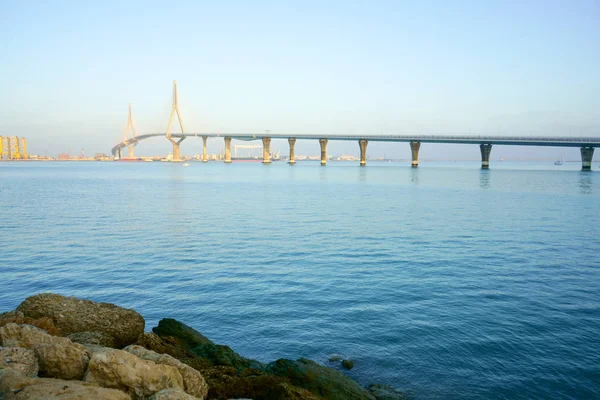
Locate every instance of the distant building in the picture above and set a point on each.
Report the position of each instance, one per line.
(101, 157)
(13, 148)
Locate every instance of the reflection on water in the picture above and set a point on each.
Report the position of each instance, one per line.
(585, 182)
(362, 174)
(175, 188)
(484, 179)
(414, 176)
(323, 173)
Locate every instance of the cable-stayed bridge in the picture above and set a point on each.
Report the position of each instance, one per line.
(586, 144)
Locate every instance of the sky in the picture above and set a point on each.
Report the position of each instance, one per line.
(69, 69)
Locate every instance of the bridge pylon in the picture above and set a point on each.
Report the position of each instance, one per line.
(130, 143)
(323, 143)
(175, 109)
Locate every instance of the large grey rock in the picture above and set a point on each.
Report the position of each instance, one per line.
(72, 315)
(94, 348)
(172, 394)
(193, 382)
(94, 337)
(122, 370)
(18, 360)
(19, 387)
(58, 357)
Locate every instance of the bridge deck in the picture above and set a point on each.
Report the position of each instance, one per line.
(557, 141)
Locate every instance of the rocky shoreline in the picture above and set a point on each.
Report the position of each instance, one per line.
(56, 347)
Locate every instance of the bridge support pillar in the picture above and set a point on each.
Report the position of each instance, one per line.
(292, 142)
(414, 149)
(587, 153)
(486, 149)
(118, 155)
(266, 150)
(131, 154)
(204, 155)
(227, 150)
(323, 143)
(363, 151)
(176, 148)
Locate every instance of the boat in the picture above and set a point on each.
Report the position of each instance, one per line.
(185, 164)
(558, 162)
(246, 159)
(274, 157)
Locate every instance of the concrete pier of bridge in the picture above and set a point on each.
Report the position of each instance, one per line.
(587, 153)
(130, 150)
(486, 149)
(204, 153)
(266, 150)
(363, 151)
(292, 143)
(176, 148)
(227, 150)
(323, 143)
(414, 149)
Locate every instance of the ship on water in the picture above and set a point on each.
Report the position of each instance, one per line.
(252, 156)
(274, 157)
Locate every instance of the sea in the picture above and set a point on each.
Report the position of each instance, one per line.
(445, 281)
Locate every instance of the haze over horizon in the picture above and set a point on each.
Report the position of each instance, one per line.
(499, 67)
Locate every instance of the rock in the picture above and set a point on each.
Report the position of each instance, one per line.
(285, 391)
(193, 382)
(228, 383)
(322, 381)
(386, 392)
(94, 348)
(72, 315)
(122, 370)
(186, 335)
(335, 358)
(19, 387)
(197, 345)
(18, 360)
(228, 374)
(171, 394)
(152, 341)
(58, 357)
(348, 364)
(94, 337)
(17, 317)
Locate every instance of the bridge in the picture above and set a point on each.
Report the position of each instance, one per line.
(586, 144)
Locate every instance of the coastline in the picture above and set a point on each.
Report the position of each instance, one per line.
(84, 344)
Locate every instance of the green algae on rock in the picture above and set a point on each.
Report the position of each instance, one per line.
(174, 362)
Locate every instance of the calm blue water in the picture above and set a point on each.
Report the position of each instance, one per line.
(446, 281)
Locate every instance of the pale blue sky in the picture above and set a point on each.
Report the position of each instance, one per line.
(69, 69)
